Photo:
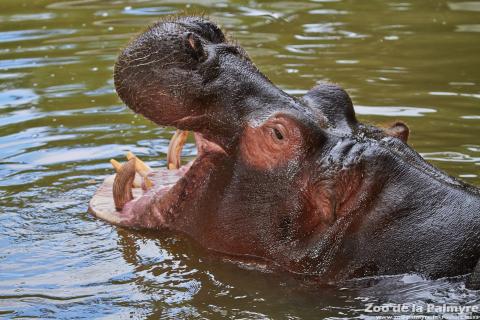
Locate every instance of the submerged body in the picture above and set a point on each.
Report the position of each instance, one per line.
(296, 183)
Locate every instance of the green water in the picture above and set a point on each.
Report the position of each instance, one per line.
(60, 123)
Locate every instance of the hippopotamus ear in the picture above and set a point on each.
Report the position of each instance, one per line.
(332, 102)
(195, 46)
(398, 130)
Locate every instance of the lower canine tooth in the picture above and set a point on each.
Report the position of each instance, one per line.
(175, 149)
(122, 185)
(137, 182)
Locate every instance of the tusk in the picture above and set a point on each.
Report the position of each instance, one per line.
(148, 184)
(142, 169)
(137, 183)
(122, 185)
(175, 149)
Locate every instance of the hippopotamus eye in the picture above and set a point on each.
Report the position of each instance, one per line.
(273, 143)
(278, 134)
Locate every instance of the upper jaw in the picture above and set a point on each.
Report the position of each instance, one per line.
(161, 76)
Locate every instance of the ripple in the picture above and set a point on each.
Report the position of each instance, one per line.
(77, 4)
(393, 111)
(62, 155)
(20, 116)
(296, 92)
(465, 6)
(149, 11)
(28, 17)
(329, 12)
(449, 156)
(5, 76)
(307, 48)
(326, 27)
(468, 175)
(23, 35)
(316, 38)
(25, 140)
(447, 93)
(332, 27)
(255, 12)
(16, 97)
(346, 61)
(35, 62)
(64, 90)
(468, 28)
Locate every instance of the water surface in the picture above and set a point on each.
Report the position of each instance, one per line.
(60, 123)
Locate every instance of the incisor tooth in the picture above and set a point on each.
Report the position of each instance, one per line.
(175, 149)
(137, 182)
(142, 169)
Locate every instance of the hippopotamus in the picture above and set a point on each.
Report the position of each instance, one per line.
(293, 183)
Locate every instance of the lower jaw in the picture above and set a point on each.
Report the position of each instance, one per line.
(160, 181)
(125, 199)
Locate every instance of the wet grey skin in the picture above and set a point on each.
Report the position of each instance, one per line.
(298, 184)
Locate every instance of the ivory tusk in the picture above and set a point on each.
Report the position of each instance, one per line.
(137, 182)
(175, 149)
(116, 165)
(142, 169)
(122, 185)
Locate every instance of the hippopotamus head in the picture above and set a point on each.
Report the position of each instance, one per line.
(297, 182)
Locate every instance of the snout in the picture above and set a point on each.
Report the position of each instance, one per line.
(157, 75)
(185, 73)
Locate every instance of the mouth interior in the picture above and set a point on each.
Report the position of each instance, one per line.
(160, 181)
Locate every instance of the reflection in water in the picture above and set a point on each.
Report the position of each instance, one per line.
(60, 122)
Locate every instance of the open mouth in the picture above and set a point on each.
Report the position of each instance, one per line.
(135, 180)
